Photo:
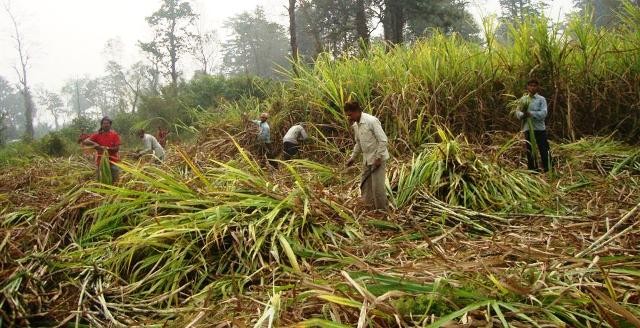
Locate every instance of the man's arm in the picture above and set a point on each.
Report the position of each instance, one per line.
(356, 148)
(90, 142)
(303, 133)
(381, 137)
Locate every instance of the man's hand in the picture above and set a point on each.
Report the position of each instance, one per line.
(377, 163)
(349, 162)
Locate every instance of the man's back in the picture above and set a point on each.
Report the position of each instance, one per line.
(151, 143)
(294, 134)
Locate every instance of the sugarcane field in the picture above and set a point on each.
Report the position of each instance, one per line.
(323, 166)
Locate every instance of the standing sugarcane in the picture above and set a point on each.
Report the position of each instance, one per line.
(532, 111)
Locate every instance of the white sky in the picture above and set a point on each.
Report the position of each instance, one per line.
(66, 38)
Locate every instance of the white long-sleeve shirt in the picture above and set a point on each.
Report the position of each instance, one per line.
(294, 134)
(370, 139)
(151, 144)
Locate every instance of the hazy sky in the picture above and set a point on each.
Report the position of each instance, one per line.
(66, 38)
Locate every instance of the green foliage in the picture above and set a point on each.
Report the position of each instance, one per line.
(168, 230)
(452, 82)
(454, 173)
(447, 16)
(53, 144)
(209, 91)
(11, 112)
(17, 153)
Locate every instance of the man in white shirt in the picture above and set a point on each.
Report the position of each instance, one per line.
(151, 145)
(292, 139)
(371, 142)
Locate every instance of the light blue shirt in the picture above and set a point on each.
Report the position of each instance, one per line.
(538, 110)
(265, 132)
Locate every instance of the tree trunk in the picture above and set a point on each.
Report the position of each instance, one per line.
(28, 111)
(393, 22)
(292, 35)
(361, 25)
(313, 29)
(173, 51)
(55, 120)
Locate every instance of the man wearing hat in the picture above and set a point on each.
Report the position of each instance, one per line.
(109, 140)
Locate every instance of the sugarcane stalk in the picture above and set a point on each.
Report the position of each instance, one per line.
(600, 242)
(105, 169)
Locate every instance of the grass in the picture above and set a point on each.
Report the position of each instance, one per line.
(232, 242)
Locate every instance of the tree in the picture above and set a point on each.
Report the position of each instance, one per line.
(78, 95)
(362, 28)
(204, 47)
(52, 102)
(257, 46)
(11, 111)
(393, 21)
(515, 12)
(134, 78)
(333, 26)
(21, 71)
(411, 19)
(293, 39)
(172, 25)
(446, 16)
(603, 11)
(6, 90)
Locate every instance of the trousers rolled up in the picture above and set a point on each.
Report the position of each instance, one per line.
(372, 186)
(543, 147)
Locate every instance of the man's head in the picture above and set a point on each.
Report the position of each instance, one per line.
(353, 111)
(264, 117)
(532, 86)
(105, 124)
(140, 133)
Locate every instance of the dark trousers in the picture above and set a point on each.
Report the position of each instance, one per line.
(290, 150)
(543, 148)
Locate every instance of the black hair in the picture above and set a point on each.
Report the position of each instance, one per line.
(352, 106)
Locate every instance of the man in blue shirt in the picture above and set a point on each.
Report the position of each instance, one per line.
(264, 135)
(263, 139)
(532, 115)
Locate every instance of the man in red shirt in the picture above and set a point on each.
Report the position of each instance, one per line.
(109, 140)
(162, 136)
